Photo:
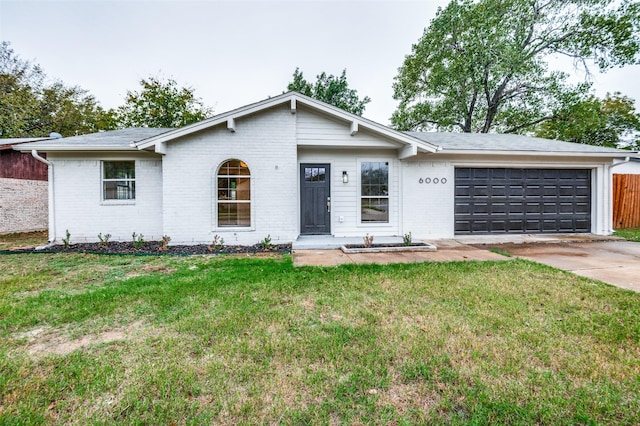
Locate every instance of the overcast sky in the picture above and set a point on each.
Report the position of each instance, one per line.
(232, 53)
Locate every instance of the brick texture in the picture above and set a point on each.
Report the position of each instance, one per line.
(23, 205)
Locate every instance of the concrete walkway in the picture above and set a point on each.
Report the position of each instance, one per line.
(608, 259)
(612, 262)
(448, 250)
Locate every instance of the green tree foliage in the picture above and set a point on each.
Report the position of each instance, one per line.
(161, 103)
(610, 122)
(331, 89)
(32, 107)
(481, 65)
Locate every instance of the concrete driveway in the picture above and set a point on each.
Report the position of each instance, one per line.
(613, 262)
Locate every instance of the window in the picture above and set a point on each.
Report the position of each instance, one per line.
(234, 194)
(118, 180)
(374, 192)
(315, 174)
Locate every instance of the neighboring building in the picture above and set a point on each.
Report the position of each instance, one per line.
(23, 189)
(291, 165)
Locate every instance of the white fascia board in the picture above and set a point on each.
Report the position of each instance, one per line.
(537, 153)
(213, 121)
(293, 99)
(366, 123)
(69, 148)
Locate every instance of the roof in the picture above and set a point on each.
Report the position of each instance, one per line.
(502, 143)
(114, 140)
(412, 144)
(8, 143)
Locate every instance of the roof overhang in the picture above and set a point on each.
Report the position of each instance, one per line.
(409, 145)
(529, 153)
(71, 148)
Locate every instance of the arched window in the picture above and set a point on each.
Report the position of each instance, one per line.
(234, 194)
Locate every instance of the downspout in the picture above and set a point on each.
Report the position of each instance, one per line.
(52, 210)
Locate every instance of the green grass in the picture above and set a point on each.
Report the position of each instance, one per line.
(631, 234)
(235, 340)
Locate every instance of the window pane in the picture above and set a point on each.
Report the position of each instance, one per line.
(234, 192)
(375, 179)
(119, 190)
(234, 214)
(375, 210)
(234, 167)
(119, 170)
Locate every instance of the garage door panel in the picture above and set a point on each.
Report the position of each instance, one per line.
(522, 200)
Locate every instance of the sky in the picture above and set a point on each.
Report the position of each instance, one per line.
(231, 53)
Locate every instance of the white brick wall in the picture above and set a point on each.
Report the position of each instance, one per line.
(266, 142)
(427, 206)
(23, 205)
(79, 206)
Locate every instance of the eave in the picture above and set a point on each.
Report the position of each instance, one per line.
(93, 148)
(355, 123)
(540, 153)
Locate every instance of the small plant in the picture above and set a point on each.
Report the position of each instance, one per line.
(499, 251)
(138, 240)
(104, 239)
(266, 243)
(406, 239)
(66, 241)
(216, 244)
(164, 244)
(368, 240)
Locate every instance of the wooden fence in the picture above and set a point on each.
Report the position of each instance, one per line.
(626, 201)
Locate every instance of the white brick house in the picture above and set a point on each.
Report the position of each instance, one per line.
(290, 166)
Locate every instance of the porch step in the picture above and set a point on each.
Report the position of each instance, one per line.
(326, 242)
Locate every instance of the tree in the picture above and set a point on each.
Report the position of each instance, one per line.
(31, 107)
(330, 89)
(482, 66)
(161, 104)
(610, 122)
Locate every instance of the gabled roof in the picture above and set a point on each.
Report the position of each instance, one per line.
(114, 140)
(510, 144)
(412, 144)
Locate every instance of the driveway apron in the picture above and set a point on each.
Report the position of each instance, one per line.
(612, 262)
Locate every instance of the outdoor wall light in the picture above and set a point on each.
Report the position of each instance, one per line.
(345, 177)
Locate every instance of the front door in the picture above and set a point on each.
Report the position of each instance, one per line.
(315, 199)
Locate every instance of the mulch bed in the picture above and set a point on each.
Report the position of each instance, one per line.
(155, 247)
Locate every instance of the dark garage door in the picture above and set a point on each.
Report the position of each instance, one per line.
(489, 201)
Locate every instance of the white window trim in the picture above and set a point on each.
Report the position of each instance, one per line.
(214, 195)
(116, 202)
(360, 223)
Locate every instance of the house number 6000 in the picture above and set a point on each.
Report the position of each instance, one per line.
(434, 180)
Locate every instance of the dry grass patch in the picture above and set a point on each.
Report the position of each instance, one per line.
(41, 342)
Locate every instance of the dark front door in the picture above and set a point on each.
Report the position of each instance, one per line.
(315, 199)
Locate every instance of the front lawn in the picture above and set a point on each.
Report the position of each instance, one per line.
(235, 340)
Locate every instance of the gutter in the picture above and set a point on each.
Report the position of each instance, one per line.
(626, 160)
(52, 210)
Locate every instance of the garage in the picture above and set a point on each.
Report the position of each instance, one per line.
(511, 200)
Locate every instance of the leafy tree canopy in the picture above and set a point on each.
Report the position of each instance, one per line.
(611, 122)
(331, 89)
(161, 103)
(481, 65)
(30, 106)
